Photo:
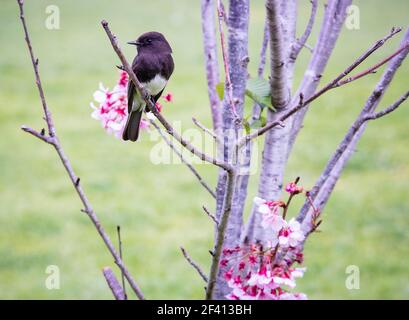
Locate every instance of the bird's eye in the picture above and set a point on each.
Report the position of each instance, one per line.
(149, 40)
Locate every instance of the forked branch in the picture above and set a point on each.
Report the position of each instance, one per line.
(331, 85)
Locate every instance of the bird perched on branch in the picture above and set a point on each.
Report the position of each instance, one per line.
(153, 66)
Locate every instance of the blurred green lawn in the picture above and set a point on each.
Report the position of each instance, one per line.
(159, 206)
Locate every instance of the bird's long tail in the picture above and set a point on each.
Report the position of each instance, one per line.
(131, 131)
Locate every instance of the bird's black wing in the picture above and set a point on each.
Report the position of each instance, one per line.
(167, 66)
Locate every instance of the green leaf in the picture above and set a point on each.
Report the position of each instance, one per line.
(220, 90)
(263, 121)
(258, 89)
(246, 126)
(256, 124)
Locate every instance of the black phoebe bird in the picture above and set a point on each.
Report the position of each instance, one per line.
(153, 66)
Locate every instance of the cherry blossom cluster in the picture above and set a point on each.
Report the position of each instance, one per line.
(112, 106)
(266, 271)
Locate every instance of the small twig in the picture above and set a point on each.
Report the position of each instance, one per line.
(228, 85)
(54, 141)
(316, 213)
(151, 106)
(38, 135)
(211, 216)
(263, 50)
(118, 229)
(356, 63)
(308, 47)
(301, 42)
(373, 68)
(184, 161)
(287, 205)
(113, 284)
(194, 264)
(34, 61)
(206, 130)
(386, 111)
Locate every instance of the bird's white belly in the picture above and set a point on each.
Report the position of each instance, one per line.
(156, 85)
(153, 87)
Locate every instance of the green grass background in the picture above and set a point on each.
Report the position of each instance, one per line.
(159, 206)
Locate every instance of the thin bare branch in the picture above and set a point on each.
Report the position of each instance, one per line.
(194, 264)
(331, 85)
(301, 42)
(206, 130)
(53, 140)
(263, 50)
(118, 229)
(386, 111)
(35, 63)
(40, 135)
(113, 284)
(373, 68)
(308, 47)
(151, 106)
(335, 83)
(184, 161)
(210, 215)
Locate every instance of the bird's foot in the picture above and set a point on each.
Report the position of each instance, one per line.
(121, 67)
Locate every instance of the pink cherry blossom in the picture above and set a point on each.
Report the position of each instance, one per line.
(292, 188)
(159, 106)
(265, 270)
(260, 280)
(291, 234)
(168, 97)
(112, 107)
(271, 211)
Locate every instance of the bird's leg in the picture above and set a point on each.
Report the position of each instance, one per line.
(121, 68)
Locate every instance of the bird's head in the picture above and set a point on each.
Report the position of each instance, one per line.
(152, 42)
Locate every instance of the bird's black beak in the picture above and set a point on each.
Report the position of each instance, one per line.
(134, 43)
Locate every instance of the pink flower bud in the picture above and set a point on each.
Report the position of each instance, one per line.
(168, 97)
